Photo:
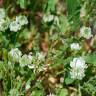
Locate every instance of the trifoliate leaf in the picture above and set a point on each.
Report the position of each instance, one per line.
(69, 80)
(91, 59)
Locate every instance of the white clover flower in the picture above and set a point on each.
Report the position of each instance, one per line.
(15, 54)
(75, 46)
(2, 13)
(77, 73)
(27, 87)
(51, 94)
(22, 20)
(78, 63)
(25, 60)
(18, 23)
(78, 67)
(85, 32)
(40, 56)
(48, 18)
(14, 26)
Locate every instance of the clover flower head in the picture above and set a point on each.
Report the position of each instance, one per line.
(40, 56)
(22, 20)
(85, 32)
(48, 18)
(2, 13)
(14, 26)
(77, 74)
(15, 54)
(25, 60)
(78, 63)
(75, 46)
(27, 87)
(78, 67)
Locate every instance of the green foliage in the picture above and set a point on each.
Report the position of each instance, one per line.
(51, 5)
(73, 7)
(63, 92)
(23, 3)
(42, 49)
(64, 25)
(90, 86)
(91, 59)
(69, 80)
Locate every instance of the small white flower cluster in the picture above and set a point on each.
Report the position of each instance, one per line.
(15, 55)
(78, 67)
(75, 46)
(4, 21)
(85, 32)
(15, 25)
(26, 60)
(49, 17)
(27, 87)
(40, 56)
(18, 23)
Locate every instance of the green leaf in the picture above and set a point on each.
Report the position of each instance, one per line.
(51, 5)
(23, 3)
(5, 54)
(69, 80)
(73, 7)
(38, 93)
(63, 92)
(91, 59)
(63, 24)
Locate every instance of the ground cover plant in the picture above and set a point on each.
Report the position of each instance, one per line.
(47, 48)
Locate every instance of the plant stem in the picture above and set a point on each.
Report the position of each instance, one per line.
(79, 89)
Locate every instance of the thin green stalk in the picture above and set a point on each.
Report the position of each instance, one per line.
(79, 89)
